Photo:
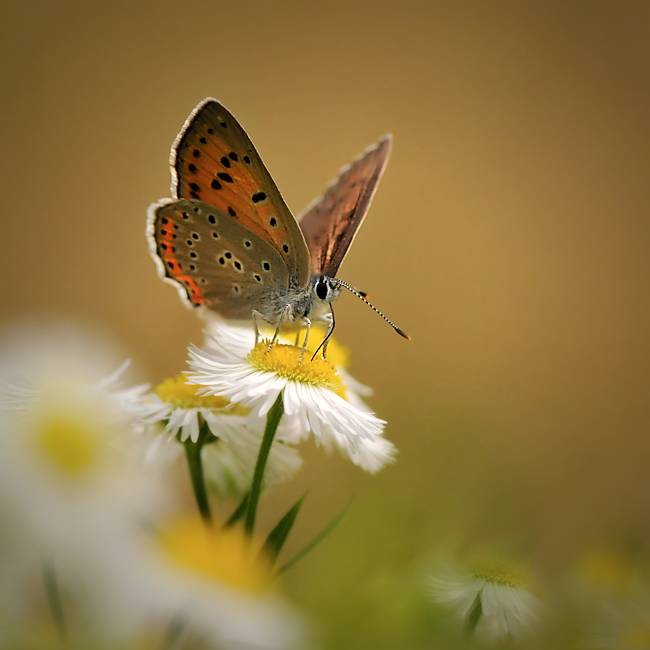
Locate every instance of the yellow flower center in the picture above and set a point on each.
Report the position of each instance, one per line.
(177, 392)
(68, 444)
(337, 354)
(607, 569)
(284, 361)
(503, 578)
(222, 554)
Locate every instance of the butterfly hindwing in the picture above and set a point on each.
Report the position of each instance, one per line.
(330, 223)
(216, 260)
(214, 161)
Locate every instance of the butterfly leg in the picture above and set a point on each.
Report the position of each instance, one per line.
(307, 322)
(283, 316)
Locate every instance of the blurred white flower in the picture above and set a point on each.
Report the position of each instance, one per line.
(215, 579)
(317, 398)
(69, 476)
(175, 412)
(494, 604)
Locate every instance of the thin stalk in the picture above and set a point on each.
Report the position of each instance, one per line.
(195, 466)
(272, 421)
(54, 598)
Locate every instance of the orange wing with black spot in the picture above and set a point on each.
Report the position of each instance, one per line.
(214, 260)
(214, 161)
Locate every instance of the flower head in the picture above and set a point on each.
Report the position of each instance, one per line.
(70, 484)
(315, 394)
(494, 602)
(217, 579)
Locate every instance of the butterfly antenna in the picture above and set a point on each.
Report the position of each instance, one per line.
(362, 296)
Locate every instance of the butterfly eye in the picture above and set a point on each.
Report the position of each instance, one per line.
(322, 290)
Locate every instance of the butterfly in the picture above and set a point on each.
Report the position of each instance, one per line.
(228, 241)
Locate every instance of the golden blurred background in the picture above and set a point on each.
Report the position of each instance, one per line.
(509, 237)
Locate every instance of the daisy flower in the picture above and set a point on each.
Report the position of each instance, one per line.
(69, 477)
(316, 398)
(492, 603)
(175, 412)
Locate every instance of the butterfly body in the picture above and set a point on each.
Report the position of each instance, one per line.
(228, 241)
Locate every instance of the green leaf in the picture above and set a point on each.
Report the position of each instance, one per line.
(278, 536)
(317, 540)
(239, 512)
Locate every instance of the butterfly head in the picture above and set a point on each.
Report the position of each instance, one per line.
(325, 289)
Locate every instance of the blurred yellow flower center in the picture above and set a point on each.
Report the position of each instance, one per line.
(68, 444)
(498, 577)
(179, 394)
(284, 361)
(607, 569)
(223, 554)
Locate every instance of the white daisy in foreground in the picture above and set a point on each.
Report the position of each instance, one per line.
(494, 604)
(175, 412)
(314, 395)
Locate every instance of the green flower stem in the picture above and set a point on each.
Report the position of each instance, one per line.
(272, 421)
(195, 465)
(54, 598)
(474, 615)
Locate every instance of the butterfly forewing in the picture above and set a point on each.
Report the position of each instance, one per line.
(215, 162)
(217, 261)
(331, 222)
